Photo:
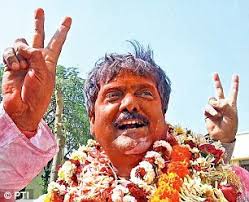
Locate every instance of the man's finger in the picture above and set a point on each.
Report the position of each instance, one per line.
(34, 57)
(234, 90)
(39, 35)
(211, 111)
(57, 41)
(218, 87)
(10, 59)
(219, 105)
(23, 63)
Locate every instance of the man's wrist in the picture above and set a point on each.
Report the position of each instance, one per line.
(228, 141)
(28, 129)
(229, 147)
(29, 134)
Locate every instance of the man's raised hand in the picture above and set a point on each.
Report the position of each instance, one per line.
(29, 74)
(221, 112)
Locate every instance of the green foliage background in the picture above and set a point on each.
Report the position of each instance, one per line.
(75, 118)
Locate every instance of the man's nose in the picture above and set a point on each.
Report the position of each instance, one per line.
(130, 103)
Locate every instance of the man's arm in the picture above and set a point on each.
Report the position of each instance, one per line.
(21, 159)
(26, 143)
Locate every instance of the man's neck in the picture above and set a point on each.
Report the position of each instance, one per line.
(125, 165)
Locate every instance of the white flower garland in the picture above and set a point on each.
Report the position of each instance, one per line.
(89, 173)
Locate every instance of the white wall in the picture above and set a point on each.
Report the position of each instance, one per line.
(241, 150)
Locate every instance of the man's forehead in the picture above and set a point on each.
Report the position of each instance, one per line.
(128, 74)
(130, 80)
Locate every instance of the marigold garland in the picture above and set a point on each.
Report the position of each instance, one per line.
(180, 153)
(169, 184)
(189, 169)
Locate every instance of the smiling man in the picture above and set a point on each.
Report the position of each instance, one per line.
(127, 98)
(128, 115)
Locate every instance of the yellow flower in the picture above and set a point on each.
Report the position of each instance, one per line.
(61, 174)
(179, 130)
(79, 155)
(156, 198)
(47, 197)
(168, 184)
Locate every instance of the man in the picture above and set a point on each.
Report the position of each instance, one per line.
(127, 99)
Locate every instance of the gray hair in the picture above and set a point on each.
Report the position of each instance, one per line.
(140, 63)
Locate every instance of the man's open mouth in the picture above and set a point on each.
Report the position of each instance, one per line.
(131, 124)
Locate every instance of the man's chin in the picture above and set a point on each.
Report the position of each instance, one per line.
(140, 148)
(132, 146)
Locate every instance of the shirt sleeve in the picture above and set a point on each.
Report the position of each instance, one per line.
(243, 175)
(21, 159)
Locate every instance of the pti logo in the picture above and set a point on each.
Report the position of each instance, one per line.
(26, 194)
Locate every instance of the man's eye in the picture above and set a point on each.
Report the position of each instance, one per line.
(146, 94)
(112, 96)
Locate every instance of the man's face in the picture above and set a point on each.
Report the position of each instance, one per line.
(128, 117)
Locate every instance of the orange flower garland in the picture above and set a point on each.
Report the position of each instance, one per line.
(170, 184)
(180, 153)
(187, 169)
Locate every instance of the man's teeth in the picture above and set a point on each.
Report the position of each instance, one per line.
(131, 124)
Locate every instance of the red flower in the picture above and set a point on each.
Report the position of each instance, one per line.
(78, 169)
(229, 192)
(164, 151)
(75, 162)
(170, 138)
(197, 168)
(165, 169)
(190, 143)
(56, 197)
(137, 192)
(106, 195)
(75, 180)
(210, 149)
(106, 170)
(140, 172)
(62, 182)
(151, 160)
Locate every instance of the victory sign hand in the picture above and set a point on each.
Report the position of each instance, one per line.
(29, 75)
(221, 112)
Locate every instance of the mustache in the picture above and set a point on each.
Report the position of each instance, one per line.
(130, 115)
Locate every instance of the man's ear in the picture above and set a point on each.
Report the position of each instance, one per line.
(92, 128)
